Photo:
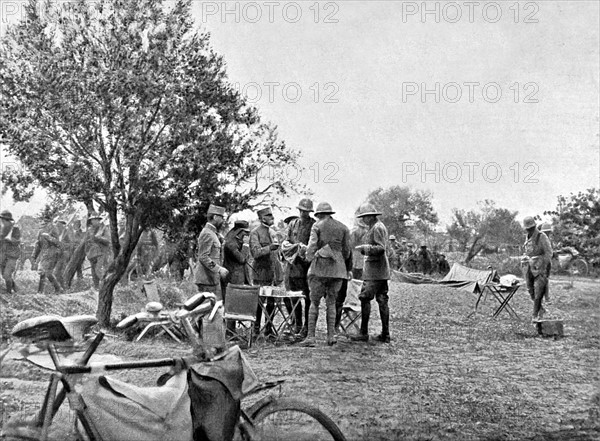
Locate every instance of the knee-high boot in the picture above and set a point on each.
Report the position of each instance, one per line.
(365, 314)
(313, 316)
(331, 313)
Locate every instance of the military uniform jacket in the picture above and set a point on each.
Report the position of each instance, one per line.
(299, 232)
(266, 264)
(329, 249)
(10, 246)
(209, 256)
(377, 266)
(357, 237)
(48, 245)
(539, 250)
(97, 243)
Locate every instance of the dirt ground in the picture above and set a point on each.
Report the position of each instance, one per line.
(444, 376)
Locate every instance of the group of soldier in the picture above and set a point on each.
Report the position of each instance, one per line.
(61, 248)
(318, 255)
(405, 257)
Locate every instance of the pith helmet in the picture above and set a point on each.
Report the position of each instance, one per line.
(305, 205)
(367, 210)
(324, 208)
(7, 215)
(215, 209)
(528, 222)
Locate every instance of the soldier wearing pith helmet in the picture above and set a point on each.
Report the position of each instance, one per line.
(376, 273)
(538, 252)
(298, 234)
(209, 271)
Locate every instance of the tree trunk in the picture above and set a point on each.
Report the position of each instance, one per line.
(118, 267)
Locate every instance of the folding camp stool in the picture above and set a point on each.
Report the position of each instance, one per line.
(503, 294)
(155, 316)
(350, 319)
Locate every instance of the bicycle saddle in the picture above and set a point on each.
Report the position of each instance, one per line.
(53, 328)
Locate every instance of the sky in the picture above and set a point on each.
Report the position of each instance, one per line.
(468, 100)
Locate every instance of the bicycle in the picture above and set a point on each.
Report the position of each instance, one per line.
(270, 418)
(573, 264)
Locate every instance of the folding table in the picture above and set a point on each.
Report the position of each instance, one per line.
(286, 322)
(503, 294)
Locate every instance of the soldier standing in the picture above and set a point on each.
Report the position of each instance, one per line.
(48, 253)
(263, 248)
(209, 271)
(65, 244)
(147, 250)
(77, 236)
(328, 251)
(376, 274)
(97, 246)
(298, 233)
(10, 249)
(394, 257)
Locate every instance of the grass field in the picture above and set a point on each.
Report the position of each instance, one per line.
(445, 375)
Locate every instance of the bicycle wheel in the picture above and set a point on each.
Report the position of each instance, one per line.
(579, 267)
(288, 419)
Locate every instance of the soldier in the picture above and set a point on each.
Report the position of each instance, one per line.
(376, 274)
(402, 252)
(264, 248)
(65, 244)
(235, 254)
(424, 258)
(209, 272)
(328, 251)
(147, 250)
(393, 252)
(357, 236)
(48, 252)
(97, 247)
(298, 234)
(546, 228)
(538, 252)
(77, 236)
(443, 265)
(10, 249)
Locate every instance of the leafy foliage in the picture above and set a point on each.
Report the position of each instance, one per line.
(401, 204)
(490, 226)
(125, 105)
(577, 223)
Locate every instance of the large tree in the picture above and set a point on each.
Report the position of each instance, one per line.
(401, 204)
(487, 227)
(577, 223)
(124, 105)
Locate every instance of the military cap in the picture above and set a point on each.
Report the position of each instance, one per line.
(305, 205)
(215, 209)
(324, 208)
(7, 215)
(528, 222)
(264, 211)
(392, 237)
(241, 225)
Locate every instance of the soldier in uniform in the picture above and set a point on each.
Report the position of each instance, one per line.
(77, 236)
(66, 245)
(97, 246)
(209, 272)
(298, 234)
(147, 250)
(264, 248)
(329, 253)
(538, 252)
(10, 250)
(424, 258)
(376, 274)
(393, 253)
(48, 252)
